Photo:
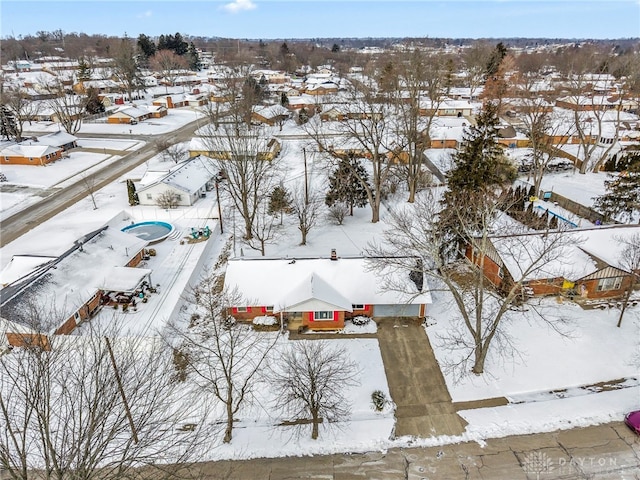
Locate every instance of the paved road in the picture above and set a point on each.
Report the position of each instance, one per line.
(609, 451)
(23, 221)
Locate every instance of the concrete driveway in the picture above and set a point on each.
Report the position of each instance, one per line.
(423, 404)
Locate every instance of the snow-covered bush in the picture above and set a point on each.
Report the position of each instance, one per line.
(265, 320)
(360, 320)
(379, 400)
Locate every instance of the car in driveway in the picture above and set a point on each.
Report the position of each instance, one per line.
(632, 419)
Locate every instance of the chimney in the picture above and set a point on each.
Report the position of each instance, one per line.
(334, 255)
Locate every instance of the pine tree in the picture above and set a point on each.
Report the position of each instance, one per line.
(193, 57)
(284, 99)
(622, 199)
(131, 191)
(84, 70)
(335, 48)
(279, 202)
(345, 184)
(480, 174)
(8, 124)
(146, 46)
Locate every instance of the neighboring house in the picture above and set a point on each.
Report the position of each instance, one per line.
(157, 111)
(59, 139)
(188, 182)
(129, 115)
(588, 269)
(196, 99)
(30, 153)
(73, 284)
(446, 108)
(222, 148)
(318, 293)
(271, 115)
(171, 101)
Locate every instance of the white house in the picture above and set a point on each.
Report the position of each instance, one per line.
(189, 181)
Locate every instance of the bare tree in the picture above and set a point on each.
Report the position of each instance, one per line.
(312, 377)
(170, 152)
(167, 199)
(93, 405)
(24, 110)
(263, 229)
(251, 173)
(168, 65)
(307, 212)
(68, 109)
(224, 358)
(338, 212)
(415, 242)
(629, 260)
(475, 60)
(126, 68)
(89, 183)
(367, 134)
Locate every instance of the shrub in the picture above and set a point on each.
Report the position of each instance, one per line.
(379, 400)
(360, 320)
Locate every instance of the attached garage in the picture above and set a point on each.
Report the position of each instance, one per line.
(396, 310)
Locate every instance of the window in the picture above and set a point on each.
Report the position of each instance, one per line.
(179, 198)
(76, 316)
(323, 316)
(269, 308)
(241, 309)
(6, 159)
(149, 196)
(612, 283)
(31, 159)
(357, 307)
(500, 272)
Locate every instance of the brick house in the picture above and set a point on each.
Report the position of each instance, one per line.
(588, 268)
(74, 283)
(30, 153)
(317, 293)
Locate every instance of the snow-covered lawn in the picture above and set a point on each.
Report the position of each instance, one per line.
(597, 351)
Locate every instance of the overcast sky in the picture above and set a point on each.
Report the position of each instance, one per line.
(267, 19)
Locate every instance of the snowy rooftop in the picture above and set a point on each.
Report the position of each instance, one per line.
(340, 282)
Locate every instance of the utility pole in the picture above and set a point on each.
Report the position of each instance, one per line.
(306, 178)
(121, 389)
(219, 209)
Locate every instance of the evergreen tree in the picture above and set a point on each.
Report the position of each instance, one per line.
(193, 57)
(303, 116)
(131, 192)
(92, 103)
(8, 124)
(499, 52)
(335, 48)
(346, 184)
(622, 198)
(279, 202)
(284, 49)
(84, 70)
(480, 174)
(284, 99)
(146, 46)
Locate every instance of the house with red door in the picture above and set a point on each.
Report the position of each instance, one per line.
(319, 293)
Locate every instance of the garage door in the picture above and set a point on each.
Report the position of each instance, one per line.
(396, 310)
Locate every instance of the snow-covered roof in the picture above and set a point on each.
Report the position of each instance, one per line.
(191, 176)
(123, 279)
(28, 149)
(57, 139)
(543, 256)
(603, 243)
(315, 282)
(21, 266)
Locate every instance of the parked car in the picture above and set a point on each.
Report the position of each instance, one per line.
(632, 419)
